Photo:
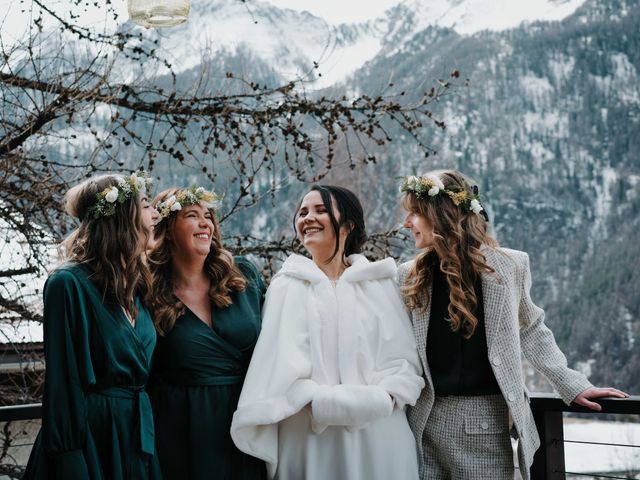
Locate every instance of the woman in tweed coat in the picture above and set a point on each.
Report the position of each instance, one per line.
(473, 317)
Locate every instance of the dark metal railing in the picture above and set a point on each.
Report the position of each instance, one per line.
(10, 466)
(548, 463)
(29, 411)
(547, 411)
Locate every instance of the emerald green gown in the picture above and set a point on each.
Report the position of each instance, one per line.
(97, 421)
(197, 378)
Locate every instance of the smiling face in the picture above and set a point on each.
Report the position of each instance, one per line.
(421, 229)
(149, 216)
(192, 231)
(314, 227)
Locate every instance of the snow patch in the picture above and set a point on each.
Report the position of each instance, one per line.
(584, 458)
(259, 224)
(627, 317)
(537, 88)
(585, 367)
(622, 82)
(603, 198)
(553, 124)
(561, 68)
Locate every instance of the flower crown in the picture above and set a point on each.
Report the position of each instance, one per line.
(125, 188)
(430, 185)
(185, 198)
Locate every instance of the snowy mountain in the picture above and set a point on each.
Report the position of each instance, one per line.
(467, 17)
(292, 42)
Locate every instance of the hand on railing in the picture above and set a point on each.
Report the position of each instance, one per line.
(597, 392)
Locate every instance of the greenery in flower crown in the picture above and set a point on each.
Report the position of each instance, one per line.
(125, 188)
(186, 197)
(427, 186)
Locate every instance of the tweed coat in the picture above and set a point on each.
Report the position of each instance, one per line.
(514, 326)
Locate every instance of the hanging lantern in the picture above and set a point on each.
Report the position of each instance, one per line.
(158, 13)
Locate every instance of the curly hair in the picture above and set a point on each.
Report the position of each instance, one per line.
(457, 239)
(219, 266)
(112, 247)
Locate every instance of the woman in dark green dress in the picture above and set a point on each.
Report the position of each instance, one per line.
(98, 337)
(207, 312)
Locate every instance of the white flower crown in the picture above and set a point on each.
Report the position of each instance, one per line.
(430, 185)
(110, 197)
(185, 198)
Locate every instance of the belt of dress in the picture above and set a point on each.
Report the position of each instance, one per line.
(200, 380)
(145, 414)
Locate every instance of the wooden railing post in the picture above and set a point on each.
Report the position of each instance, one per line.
(548, 462)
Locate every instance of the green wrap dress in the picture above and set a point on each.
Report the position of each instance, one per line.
(97, 421)
(197, 378)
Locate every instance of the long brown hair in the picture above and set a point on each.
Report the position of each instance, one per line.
(112, 247)
(457, 238)
(219, 266)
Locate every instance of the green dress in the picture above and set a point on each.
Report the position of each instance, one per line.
(197, 378)
(97, 421)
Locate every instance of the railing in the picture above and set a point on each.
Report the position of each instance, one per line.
(548, 463)
(12, 467)
(30, 411)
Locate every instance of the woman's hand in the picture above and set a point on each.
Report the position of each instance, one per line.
(590, 393)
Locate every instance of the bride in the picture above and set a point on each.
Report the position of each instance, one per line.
(336, 361)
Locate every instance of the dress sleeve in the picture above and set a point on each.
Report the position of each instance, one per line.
(64, 410)
(278, 382)
(539, 345)
(252, 275)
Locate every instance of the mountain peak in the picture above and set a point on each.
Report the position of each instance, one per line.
(470, 16)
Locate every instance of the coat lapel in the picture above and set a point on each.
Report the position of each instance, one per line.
(420, 329)
(493, 297)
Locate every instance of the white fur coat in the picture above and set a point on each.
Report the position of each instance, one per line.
(348, 351)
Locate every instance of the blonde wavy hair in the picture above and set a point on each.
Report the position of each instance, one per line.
(219, 266)
(112, 247)
(458, 236)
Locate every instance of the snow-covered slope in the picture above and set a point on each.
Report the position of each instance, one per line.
(293, 41)
(470, 16)
(297, 44)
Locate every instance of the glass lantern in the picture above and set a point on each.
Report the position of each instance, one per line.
(158, 13)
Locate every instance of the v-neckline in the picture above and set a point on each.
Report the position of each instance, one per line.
(133, 326)
(209, 326)
(119, 308)
(115, 309)
(138, 340)
(131, 321)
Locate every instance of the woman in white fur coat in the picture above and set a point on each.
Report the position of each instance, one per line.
(336, 360)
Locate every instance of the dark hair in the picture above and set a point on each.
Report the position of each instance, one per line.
(350, 214)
